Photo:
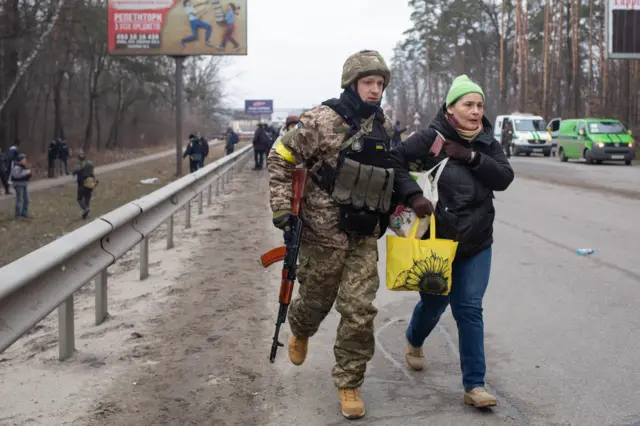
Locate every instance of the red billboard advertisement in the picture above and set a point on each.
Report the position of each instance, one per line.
(177, 27)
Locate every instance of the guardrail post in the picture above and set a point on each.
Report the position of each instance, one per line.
(66, 337)
(209, 191)
(218, 186)
(200, 201)
(170, 232)
(101, 296)
(144, 258)
(187, 209)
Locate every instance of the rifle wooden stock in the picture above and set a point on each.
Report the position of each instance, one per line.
(272, 256)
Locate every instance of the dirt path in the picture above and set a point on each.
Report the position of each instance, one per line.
(188, 346)
(40, 184)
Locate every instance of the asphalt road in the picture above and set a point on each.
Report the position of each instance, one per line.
(611, 177)
(561, 330)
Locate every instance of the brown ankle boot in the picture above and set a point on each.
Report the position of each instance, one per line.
(298, 350)
(351, 404)
(479, 398)
(414, 356)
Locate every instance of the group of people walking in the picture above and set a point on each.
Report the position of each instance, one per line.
(339, 256)
(15, 170)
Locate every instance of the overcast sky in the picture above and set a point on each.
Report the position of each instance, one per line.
(296, 48)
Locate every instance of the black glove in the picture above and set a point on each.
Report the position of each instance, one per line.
(281, 219)
(457, 151)
(421, 206)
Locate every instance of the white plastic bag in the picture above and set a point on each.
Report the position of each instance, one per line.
(404, 217)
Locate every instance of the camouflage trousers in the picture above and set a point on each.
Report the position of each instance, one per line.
(350, 279)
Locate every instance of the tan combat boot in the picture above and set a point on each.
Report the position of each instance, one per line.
(352, 405)
(414, 356)
(479, 398)
(298, 350)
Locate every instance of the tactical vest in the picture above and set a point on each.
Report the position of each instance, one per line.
(362, 182)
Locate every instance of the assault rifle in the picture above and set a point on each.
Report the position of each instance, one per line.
(288, 253)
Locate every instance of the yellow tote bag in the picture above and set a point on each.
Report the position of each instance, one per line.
(420, 265)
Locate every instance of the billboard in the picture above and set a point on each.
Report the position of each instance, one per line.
(258, 107)
(177, 27)
(623, 29)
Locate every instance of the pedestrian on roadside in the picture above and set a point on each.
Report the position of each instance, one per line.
(397, 133)
(52, 158)
(232, 140)
(86, 181)
(204, 147)
(20, 175)
(261, 144)
(4, 172)
(339, 253)
(465, 213)
(194, 151)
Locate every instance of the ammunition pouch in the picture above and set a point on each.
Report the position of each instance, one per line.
(363, 186)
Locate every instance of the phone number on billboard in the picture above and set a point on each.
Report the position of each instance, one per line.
(137, 41)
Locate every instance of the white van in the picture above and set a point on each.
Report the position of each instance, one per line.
(530, 133)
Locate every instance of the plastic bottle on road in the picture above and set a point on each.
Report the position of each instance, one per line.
(585, 252)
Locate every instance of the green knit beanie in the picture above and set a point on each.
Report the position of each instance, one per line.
(461, 86)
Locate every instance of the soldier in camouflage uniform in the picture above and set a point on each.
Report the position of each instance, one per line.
(338, 258)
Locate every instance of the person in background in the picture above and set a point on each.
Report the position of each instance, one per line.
(261, 144)
(52, 158)
(20, 175)
(63, 156)
(4, 172)
(194, 151)
(477, 167)
(87, 182)
(507, 138)
(397, 134)
(232, 140)
(204, 147)
(12, 155)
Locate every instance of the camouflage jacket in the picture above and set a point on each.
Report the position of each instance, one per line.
(319, 137)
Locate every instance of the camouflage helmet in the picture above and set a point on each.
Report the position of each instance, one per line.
(362, 64)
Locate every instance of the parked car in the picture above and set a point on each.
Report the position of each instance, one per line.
(594, 139)
(530, 133)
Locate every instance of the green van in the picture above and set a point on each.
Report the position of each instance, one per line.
(594, 139)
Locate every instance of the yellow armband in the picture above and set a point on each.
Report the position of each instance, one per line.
(284, 152)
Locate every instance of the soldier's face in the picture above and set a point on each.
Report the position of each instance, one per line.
(370, 88)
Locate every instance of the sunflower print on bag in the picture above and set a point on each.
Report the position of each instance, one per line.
(429, 275)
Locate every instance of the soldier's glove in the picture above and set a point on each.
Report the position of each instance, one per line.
(421, 206)
(281, 219)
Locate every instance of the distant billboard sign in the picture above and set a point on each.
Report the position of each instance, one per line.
(177, 27)
(258, 107)
(623, 29)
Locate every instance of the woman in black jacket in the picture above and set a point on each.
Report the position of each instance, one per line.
(476, 168)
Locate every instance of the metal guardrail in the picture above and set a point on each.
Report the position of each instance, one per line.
(35, 285)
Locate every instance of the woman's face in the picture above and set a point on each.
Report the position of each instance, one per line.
(468, 111)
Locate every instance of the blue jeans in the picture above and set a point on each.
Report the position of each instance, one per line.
(195, 24)
(470, 278)
(22, 201)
